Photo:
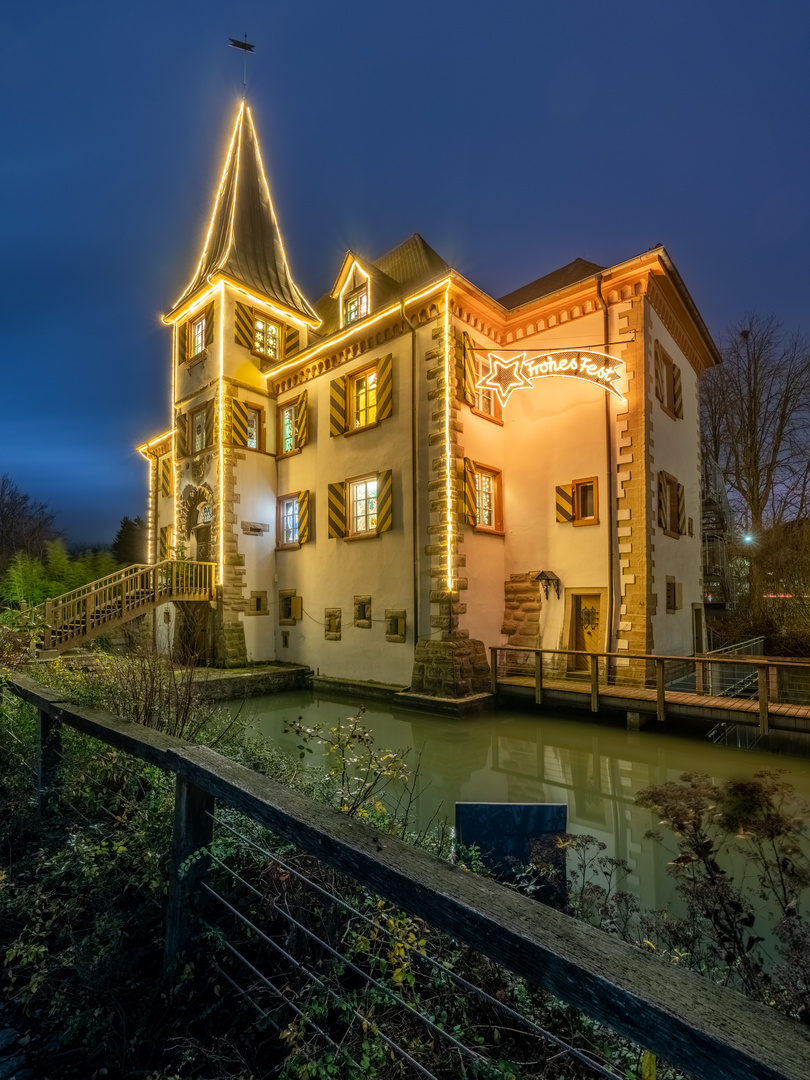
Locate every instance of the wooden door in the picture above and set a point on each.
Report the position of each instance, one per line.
(202, 543)
(586, 630)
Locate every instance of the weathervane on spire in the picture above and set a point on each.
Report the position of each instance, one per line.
(246, 48)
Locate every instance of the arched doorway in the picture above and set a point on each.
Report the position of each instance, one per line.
(198, 532)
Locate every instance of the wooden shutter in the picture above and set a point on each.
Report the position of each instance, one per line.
(681, 510)
(182, 342)
(209, 422)
(385, 387)
(337, 407)
(337, 510)
(181, 433)
(468, 380)
(240, 423)
(660, 375)
(166, 476)
(296, 607)
(565, 502)
(243, 326)
(165, 543)
(385, 507)
(209, 324)
(301, 420)
(292, 341)
(470, 503)
(663, 501)
(677, 392)
(303, 517)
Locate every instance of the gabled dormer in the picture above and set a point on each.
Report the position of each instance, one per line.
(244, 252)
(360, 289)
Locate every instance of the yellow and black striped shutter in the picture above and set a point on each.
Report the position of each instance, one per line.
(385, 502)
(181, 433)
(209, 324)
(337, 407)
(565, 502)
(166, 476)
(164, 543)
(240, 423)
(337, 510)
(677, 391)
(470, 511)
(681, 510)
(303, 517)
(243, 326)
(468, 387)
(663, 501)
(660, 375)
(182, 342)
(209, 423)
(292, 341)
(301, 420)
(385, 387)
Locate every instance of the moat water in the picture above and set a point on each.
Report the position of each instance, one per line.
(596, 769)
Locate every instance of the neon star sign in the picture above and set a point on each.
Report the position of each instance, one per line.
(520, 373)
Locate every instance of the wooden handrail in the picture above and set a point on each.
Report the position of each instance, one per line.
(706, 658)
(707, 1030)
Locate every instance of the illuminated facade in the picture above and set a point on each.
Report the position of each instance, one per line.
(408, 471)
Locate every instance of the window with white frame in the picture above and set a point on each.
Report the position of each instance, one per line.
(363, 505)
(288, 520)
(253, 428)
(198, 335)
(484, 395)
(287, 429)
(355, 305)
(363, 398)
(488, 499)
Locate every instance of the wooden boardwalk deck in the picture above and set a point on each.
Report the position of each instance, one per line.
(590, 691)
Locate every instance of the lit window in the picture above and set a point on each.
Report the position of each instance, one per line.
(288, 429)
(488, 513)
(363, 505)
(266, 335)
(198, 335)
(288, 520)
(355, 306)
(363, 399)
(253, 425)
(484, 395)
(205, 515)
(198, 430)
(584, 500)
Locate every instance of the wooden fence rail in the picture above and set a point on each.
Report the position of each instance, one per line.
(709, 1031)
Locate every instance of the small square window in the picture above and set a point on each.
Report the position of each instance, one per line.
(363, 506)
(332, 624)
(355, 305)
(287, 520)
(290, 607)
(197, 337)
(362, 612)
(586, 507)
(266, 337)
(488, 499)
(257, 605)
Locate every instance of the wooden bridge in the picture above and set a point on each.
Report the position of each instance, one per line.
(100, 606)
(767, 693)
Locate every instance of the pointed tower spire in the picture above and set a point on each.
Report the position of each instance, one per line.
(244, 245)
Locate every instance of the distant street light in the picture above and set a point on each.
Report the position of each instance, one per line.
(748, 538)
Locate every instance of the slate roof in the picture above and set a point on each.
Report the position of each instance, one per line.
(549, 283)
(244, 242)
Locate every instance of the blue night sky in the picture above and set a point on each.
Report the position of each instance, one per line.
(513, 136)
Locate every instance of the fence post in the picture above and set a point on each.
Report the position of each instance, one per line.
(762, 683)
(46, 633)
(493, 672)
(538, 678)
(193, 830)
(594, 682)
(50, 754)
(660, 691)
(698, 676)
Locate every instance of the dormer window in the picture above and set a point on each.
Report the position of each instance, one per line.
(198, 335)
(266, 337)
(355, 305)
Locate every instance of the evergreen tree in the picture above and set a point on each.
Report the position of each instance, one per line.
(129, 545)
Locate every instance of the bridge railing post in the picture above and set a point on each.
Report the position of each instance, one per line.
(762, 686)
(49, 755)
(538, 678)
(192, 834)
(493, 669)
(594, 682)
(660, 691)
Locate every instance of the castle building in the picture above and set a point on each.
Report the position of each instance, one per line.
(408, 471)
